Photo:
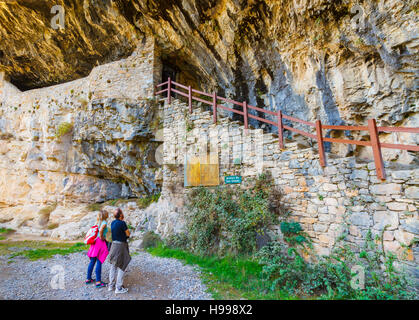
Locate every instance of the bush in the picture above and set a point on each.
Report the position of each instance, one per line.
(151, 240)
(145, 202)
(94, 207)
(4, 230)
(294, 234)
(330, 276)
(227, 220)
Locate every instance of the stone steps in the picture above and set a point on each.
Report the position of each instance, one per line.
(197, 113)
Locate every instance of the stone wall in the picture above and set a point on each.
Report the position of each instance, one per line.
(346, 196)
(84, 141)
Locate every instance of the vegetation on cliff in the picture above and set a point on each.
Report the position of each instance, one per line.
(222, 235)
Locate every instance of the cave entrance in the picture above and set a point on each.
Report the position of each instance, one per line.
(169, 71)
(181, 71)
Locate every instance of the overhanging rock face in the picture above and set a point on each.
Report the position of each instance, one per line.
(312, 61)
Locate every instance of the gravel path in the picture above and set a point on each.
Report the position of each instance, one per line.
(147, 278)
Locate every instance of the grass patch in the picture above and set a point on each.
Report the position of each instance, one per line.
(146, 201)
(5, 232)
(36, 254)
(35, 250)
(95, 206)
(228, 277)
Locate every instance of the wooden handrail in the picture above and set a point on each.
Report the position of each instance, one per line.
(372, 127)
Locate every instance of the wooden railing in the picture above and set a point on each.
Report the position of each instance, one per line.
(319, 127)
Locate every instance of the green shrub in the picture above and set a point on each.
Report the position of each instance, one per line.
(294, 234)
(290, 228)
(227, 220)
(287, 269)
(95, 207)
(4, 230)
(151, 240)
(330, 276)
(146, 201)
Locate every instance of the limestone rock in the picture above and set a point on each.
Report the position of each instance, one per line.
(86, 141)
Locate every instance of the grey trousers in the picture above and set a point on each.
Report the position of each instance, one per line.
(119, 277)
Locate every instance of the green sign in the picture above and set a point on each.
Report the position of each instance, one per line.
(233, 179)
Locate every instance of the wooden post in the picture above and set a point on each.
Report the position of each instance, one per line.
(320, 143)
(376, 149)
(280, 131)
(190, 98)
(246, 121)
(169, 91)
(214, 107)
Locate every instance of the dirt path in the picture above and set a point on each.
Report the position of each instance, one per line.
(147, 278)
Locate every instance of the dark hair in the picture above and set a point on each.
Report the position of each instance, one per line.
(118, 213)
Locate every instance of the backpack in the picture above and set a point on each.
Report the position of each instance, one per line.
(91, 235)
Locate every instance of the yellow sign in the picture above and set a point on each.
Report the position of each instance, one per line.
(202, 171)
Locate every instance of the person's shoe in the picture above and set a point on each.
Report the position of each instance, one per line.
(101, 284)
(89, 281)
(121, 290)
(111, 288)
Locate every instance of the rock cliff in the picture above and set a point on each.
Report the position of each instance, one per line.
(91, 139)
(341, 61)
(82, 142)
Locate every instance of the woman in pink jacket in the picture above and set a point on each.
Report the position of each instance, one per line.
(98, 251)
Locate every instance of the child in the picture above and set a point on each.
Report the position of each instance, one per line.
(98, 251)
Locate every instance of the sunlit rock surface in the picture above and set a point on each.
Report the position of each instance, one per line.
(85, 141)
(341, 61)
